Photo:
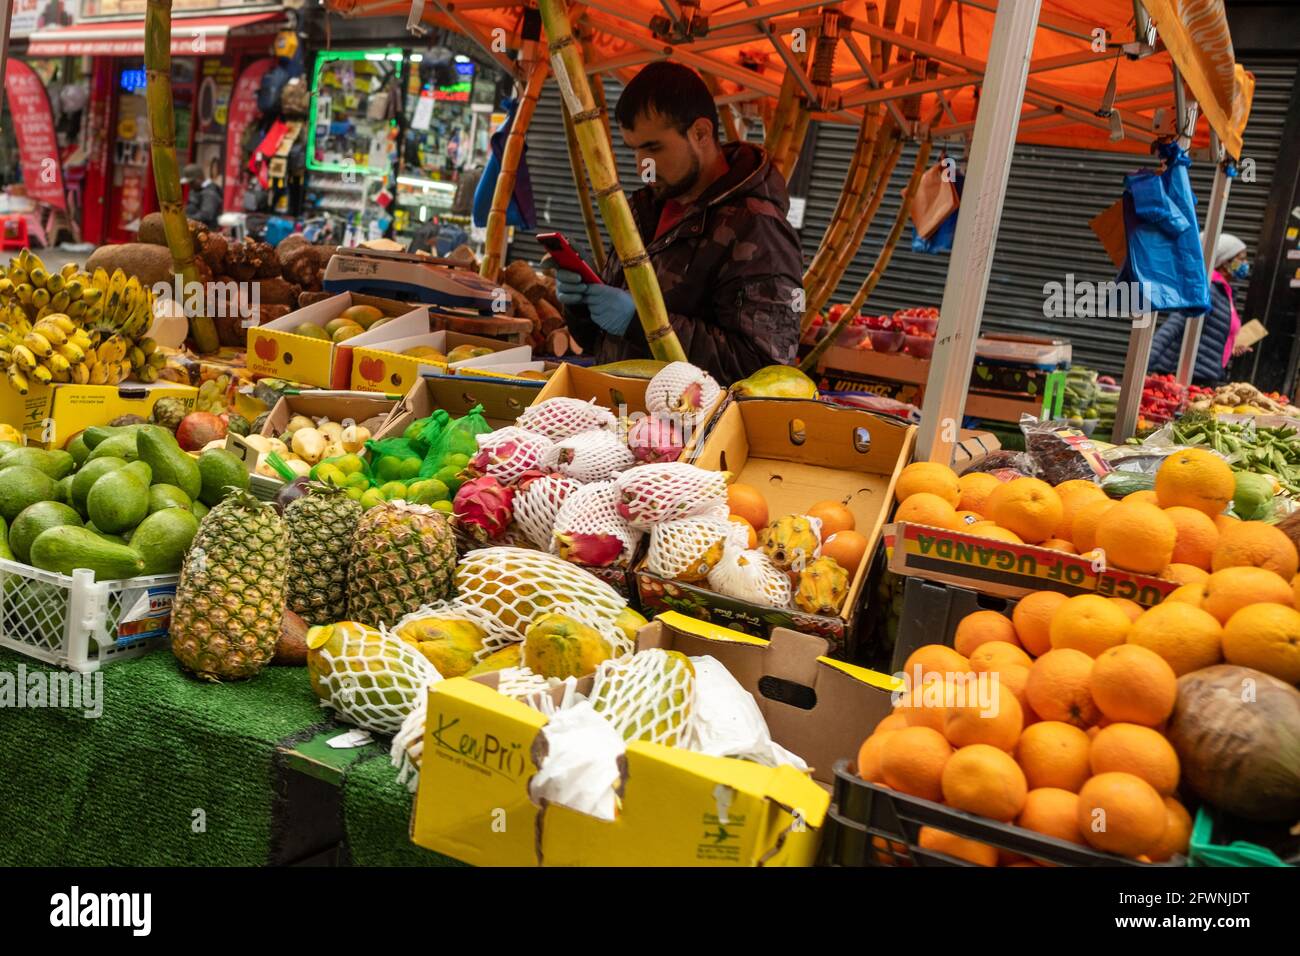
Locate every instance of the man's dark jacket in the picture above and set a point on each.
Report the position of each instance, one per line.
(205, 203)
(1167, 344)
(729, 271)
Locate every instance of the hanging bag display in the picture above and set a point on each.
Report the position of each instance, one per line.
(936, 198)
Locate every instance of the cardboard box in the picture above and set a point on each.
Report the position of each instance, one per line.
(973, 447)
(275, 350)
(503, 401)
(797, 452)
(678, 808)
(1010, 570)
(51, 415)
(384, 369)
(363, 408)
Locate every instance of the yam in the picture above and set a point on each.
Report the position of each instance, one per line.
(550, 316)
(278, 292)
(289, 243)
(148, 263)
(465, 255)
(521, 307)
(152, 232)
(520, 275)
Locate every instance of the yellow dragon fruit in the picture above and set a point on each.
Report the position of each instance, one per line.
(792, 541)
(822, 586)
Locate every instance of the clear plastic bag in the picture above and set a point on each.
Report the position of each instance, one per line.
(1062, 452)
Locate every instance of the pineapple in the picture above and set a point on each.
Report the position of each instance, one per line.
(403, 557)
(320, 529)
(230, 600)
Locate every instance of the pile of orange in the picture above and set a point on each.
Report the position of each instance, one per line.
(1176, 531)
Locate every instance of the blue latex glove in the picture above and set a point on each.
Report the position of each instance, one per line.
(610, 307)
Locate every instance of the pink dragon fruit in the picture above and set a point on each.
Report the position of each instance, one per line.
(681, 389)
(588, 529)
(560, 418)
(593, 550)
(649, 494)
(594, 455)
(507, 453)
(483, 508)
(654, 439)
(538, 504)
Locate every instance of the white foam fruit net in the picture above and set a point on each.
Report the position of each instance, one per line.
(593, 510)
(560, 418)
(511, 451)
(593, 455)
(445, 611)
(679, 549)
(375, 681)
(647, 696)
(750, 576)
(669, 491)
(665, 394)
(538, 505)
(513, 586)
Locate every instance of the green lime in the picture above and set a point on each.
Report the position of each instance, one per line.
(392, 490)
(459, 460)
(443, 506)
(371, 497)
(355, 493)
(388, 468)
(330, 474)
(450, 476)
(350, 464)
(411, 468)
(357, 479)
(431, 490)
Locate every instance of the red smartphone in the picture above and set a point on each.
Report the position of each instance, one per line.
(566, 257)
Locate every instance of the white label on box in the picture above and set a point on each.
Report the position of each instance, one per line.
(241, 449)
(149, 615)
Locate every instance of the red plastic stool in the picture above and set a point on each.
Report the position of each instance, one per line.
(13, 233)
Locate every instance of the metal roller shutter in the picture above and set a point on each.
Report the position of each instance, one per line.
(1051, 196)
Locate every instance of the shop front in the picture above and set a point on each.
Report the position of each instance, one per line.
(213, 56)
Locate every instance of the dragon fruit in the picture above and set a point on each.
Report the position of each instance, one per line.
(664, 492)
(538, 503)
(595, 455)
(682, 390)
(560, 418)
(483, 508)
(588, 529)
(508, 453)
(655, 439)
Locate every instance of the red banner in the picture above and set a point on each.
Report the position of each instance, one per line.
(33, 120)
(242, 113)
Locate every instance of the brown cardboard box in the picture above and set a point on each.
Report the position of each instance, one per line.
(797, 452)
(503, 400)
(363, 408)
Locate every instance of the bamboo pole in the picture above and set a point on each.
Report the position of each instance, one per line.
(162, 152)
(780, 115)
(882, 262)
(790, 159)
(495, 243)
(594, 241)
(854, 182)
(598, 153)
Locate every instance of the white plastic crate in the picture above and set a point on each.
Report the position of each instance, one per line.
(80, 623)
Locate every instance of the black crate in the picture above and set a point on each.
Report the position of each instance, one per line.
(861, 810)
(932, 611)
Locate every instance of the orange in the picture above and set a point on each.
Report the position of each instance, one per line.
(928, 509)
(1182, 573)
(1267, 638)
(845, 548)
(912, 761)
(1027, 506)
(1137, 537)
(1226, 592)
(1132, 608)
(1187, 594)
(924, 706)
(1184, 635)
(996, 533)
(1121, 813)
(1058, 688)
(1131, 683)
(1196, 536)
(1014, 677)
(1141, 751)
(993, 656)
(1256, 544)
(1146, 497)
(893, 721)
(1058, 544)
(972, 851)
(1177, 835)
(1074, 494)
(975, 490)
(1053, 812)
(934, 659)
(1224, 522)
(747, 502)
(750, 533)
(996, 719)
(1195, 478)
(1084, 530)
(984, 780)
(1054, 754)
(1032, 618)
(1089, 623)
(834, 517)
(980, 627)
(869, 757)
(929, 476)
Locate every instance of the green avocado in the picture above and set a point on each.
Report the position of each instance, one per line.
(37, 518)
(120, 445)
(220, 471)
(20, 486)
(120, 500)
(66, 548)
(171, 466)
(90, 473)
(163, 538)
(54, 463)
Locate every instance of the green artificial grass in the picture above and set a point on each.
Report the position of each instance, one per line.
(377, 817)
(123, 789)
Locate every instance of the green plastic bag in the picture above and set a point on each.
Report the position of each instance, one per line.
(388, 460)
(424, 432)
(455, 447)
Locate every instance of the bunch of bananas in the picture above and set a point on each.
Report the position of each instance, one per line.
(70, 326)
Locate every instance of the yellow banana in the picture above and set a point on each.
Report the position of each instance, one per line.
(17, 274)
(64, 323)
(42, 375)
(58, 363)
(123, 370)
(81, 374)
(60, 301)
(34, 261)
(24, 293)
(38, 343)
(75, 289)
(158, 360)
(6, 285)
(147, 346)
(52, 333)
(147, 374)
(77, 309)
(99, 374)
(73, 352)
(63, 377)
(137, 356)
(38, 277)
(81, 339)
(55, 283)
(41, 297)
(18, 380)
(24, 357)
(69, 270)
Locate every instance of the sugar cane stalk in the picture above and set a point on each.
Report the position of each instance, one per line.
(162, 151)
(855, 180)
(594, 241)
(598, 154)
(494, 244)
(882, 263)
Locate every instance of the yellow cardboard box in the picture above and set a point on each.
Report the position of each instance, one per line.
(385, 369)
(52, 415)
(275, 350)
(678, 808)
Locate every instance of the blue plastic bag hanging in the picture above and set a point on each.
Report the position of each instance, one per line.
(1164, 249)
(940, 241)
(522, 212)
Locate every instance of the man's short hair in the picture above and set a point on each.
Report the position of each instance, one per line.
(673, 91)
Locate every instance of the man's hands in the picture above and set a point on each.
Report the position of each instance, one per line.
(611, 308)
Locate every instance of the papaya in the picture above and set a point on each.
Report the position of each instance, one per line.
(776, 381)
(509, 656)
(556, 645)
(448, 643)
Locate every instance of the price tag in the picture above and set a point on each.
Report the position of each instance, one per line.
(241, 449)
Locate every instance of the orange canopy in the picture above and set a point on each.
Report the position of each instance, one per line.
(1091, 76)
